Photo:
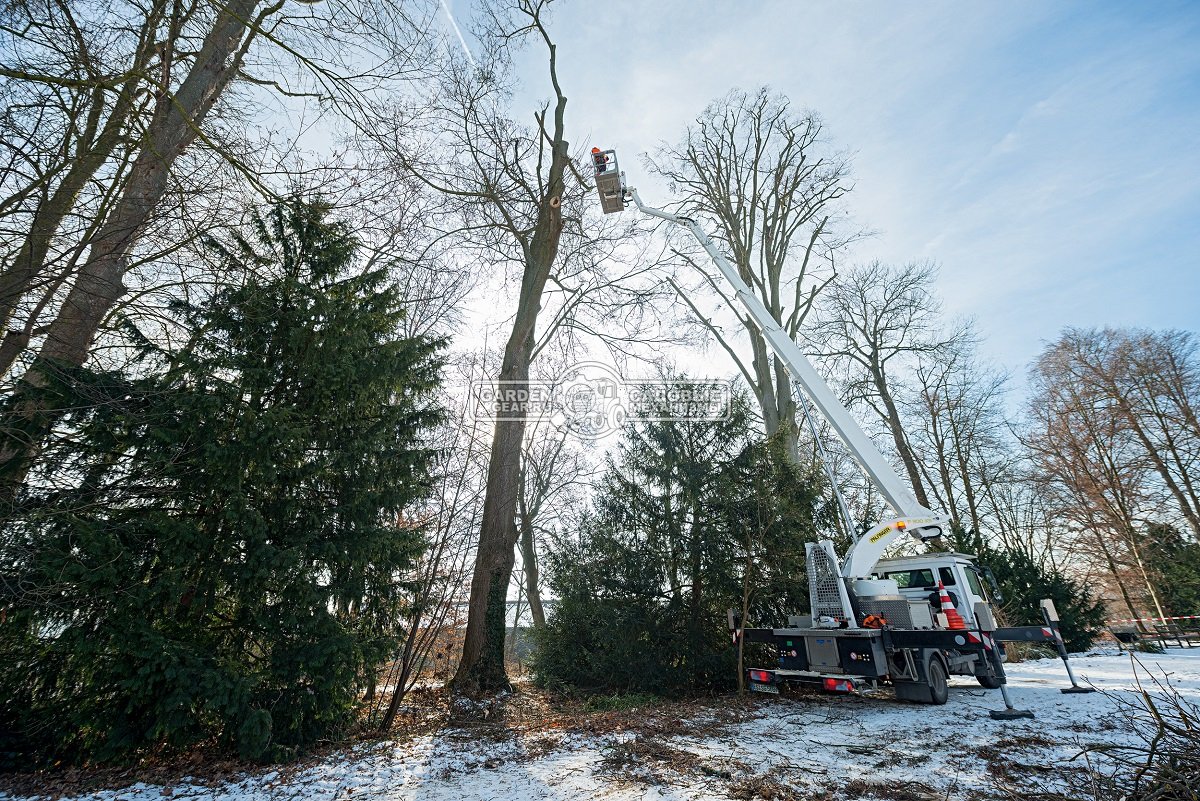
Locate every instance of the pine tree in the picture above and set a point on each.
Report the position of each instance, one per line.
(216, 552)
(1024, 583)
(644, 586)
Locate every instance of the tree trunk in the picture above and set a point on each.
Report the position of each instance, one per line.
(696, 577)
(785, 402)
(398, 689)
(938, 436)
(738, 633)
(532, 589)
(897, 429)
(100, 283)
(482, 667)
(964, 471)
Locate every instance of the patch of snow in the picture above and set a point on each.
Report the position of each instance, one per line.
(809, 741)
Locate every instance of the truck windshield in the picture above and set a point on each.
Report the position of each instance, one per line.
(973, 583)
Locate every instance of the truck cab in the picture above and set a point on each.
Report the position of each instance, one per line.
(917, 577)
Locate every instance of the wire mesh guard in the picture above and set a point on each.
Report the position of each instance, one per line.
(824, 582)
(896, 611)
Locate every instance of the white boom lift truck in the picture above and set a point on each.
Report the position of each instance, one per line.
(872, 621)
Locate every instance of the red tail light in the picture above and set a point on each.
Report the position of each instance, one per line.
(838, 686)
(763, 676)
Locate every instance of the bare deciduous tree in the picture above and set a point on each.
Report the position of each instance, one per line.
(873, 321)
(515, 205)
(88, 87)
(139, 87)
(508, 187)
(179, 109)
(956, 424)
(1090, 464)
(1152, 380)
(762, 174)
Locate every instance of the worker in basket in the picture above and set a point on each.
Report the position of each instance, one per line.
(599, 160)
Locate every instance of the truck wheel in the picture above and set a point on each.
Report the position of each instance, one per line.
(939, 685)
(988, 682)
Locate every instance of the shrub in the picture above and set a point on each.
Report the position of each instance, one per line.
(619, 703)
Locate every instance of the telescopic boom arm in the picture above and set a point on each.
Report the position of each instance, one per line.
(880, 472)
(913, 518)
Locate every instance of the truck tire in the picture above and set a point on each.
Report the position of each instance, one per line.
(988, 682)
(939, 681)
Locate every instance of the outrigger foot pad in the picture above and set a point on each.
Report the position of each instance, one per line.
(1010, 714)
(1078, 690)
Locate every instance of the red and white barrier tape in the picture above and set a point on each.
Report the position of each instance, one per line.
(1153, 619)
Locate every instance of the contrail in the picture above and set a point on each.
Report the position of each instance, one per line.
(461, 40)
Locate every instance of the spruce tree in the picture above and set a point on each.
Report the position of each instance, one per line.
(1024, 582)
(1175, 560)
(216, 546)
(644, 584)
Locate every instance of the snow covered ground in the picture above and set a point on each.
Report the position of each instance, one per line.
(811, 746)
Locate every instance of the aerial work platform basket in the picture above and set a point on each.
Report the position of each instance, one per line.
(610, 183)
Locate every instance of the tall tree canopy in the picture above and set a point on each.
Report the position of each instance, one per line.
(762, 174)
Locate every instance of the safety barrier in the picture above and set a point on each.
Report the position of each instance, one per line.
(1155, 619)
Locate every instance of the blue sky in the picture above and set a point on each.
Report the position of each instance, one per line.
(1044, 154)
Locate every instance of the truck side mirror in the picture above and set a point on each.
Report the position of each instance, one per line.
(983, 616)
(993, 584)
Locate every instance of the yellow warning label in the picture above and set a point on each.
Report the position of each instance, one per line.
(883, 533)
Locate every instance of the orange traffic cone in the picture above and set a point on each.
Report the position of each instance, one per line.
(953, 619)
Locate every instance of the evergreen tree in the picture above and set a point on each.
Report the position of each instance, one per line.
(212, 549)
(1175, 561)
(771, 508)
(644, 586)
(1024, 583)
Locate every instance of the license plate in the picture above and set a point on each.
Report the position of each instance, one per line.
(764, 688)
